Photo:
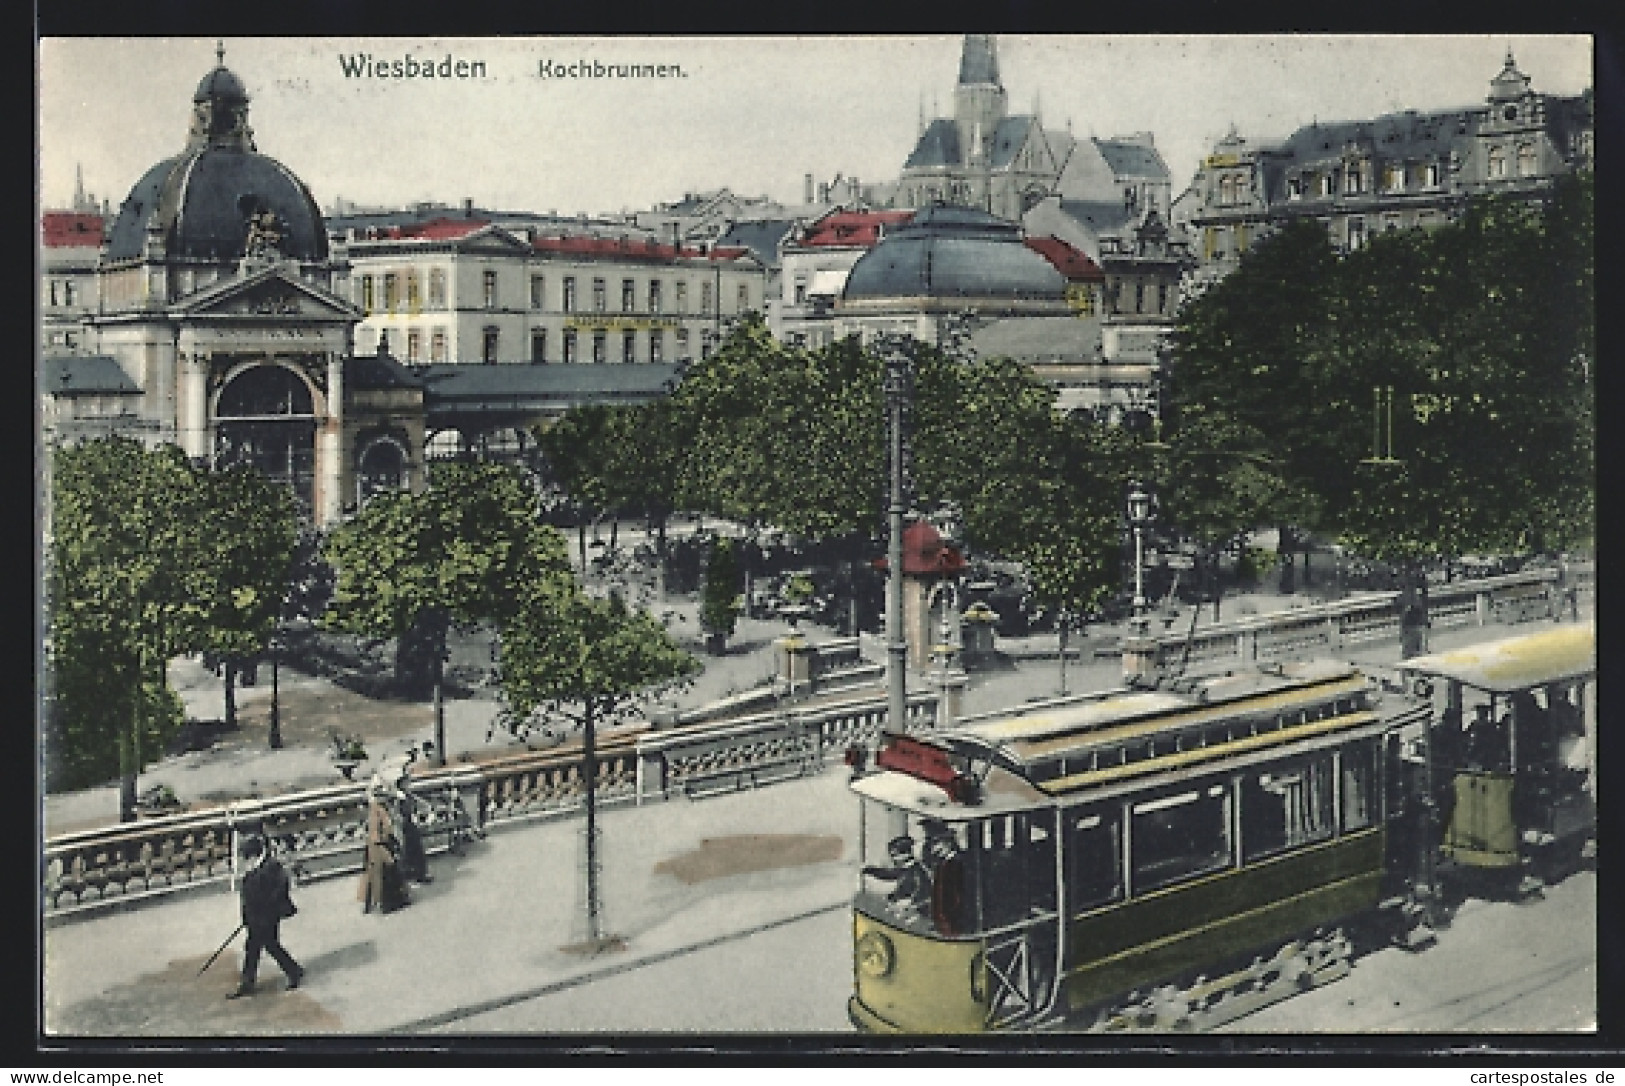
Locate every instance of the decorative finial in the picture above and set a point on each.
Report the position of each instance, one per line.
(1510, 62)
(220, 52)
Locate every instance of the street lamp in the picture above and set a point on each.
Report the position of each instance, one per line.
(898, 389)
(276, 702)
(1139, 515)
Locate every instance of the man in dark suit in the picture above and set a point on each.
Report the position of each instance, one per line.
(265, 904)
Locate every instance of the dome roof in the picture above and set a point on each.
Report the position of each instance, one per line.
(222, 84)
(203, 199)
(951, 253)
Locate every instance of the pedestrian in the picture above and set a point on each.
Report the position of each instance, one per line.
(414, 861)
(382, 884)
(265, 904)
(912, 890)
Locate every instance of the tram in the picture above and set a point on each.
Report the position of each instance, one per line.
(1512, 755)
(1174, 854)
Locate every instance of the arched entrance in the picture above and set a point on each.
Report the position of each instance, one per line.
(265, 418)
(382, 465)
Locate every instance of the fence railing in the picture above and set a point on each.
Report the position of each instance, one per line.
(321, 833)
(1374, 616)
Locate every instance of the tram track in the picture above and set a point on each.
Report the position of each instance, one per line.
(473, 1010)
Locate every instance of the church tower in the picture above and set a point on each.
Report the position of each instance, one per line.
(979, 98)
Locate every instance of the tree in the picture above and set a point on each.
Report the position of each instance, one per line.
(463, 550)
(719, 608)
(589, 661)
(246, 542)
(128, 590)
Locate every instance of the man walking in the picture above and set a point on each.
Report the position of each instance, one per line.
(265, 904)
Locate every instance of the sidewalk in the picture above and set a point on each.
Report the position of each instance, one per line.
(492, 927)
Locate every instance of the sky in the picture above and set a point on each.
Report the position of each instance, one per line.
(755, 114)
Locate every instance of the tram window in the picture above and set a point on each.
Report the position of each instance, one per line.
(1015, 869)
(1094, 858)
(1286, 806)
(1359, 785)
(1180, 836)
(917, 873)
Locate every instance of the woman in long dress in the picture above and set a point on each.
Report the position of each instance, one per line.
(382, 884)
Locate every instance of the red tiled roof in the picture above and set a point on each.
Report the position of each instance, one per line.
(70, 228)
(442, 229)
(1068, 259)
(848, 228)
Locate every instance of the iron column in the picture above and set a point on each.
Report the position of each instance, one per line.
(898, 378)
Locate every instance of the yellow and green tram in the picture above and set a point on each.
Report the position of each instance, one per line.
(1170, 855)
(1511, 752)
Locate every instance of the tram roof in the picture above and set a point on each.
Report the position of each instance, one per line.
(1059, 731)
(1516, 663)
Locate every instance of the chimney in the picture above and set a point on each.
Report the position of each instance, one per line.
(468, 207)
(823, 192)
(808, 190)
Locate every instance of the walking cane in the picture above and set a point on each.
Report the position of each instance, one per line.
(222, 949)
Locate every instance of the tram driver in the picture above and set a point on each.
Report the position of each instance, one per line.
(912, 894)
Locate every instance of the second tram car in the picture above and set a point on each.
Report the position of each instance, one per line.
(1179, 853)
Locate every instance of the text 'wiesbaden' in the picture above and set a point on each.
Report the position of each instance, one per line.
(366, 66)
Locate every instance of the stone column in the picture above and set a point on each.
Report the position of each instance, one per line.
(192, 407)
(330, 449)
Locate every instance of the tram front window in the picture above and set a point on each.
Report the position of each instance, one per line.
(1181, 836)
(915, 872)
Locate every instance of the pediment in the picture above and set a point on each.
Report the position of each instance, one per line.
(492, 239)
(270, 295)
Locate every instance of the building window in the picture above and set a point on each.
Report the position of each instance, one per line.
(437, 288)
(599, 346)
(629, 296)
(1139, 297)
(682, 297)
(657, 351)
(1498, 163)
(538, 345)
(600, 299)
(1162, 298)
(1351, 180)
(437, 346)
(682, 345)
(1393, 177)
(490, 352)
(654, 296)
(68, 298)
(490, 280)
(569, 294)
(1526, 167)
(414, 301)
(801, 292)
(629, 346)
(1328, 183)
(705, 297)
(1294, 188)
(366, 294)
(1227, 192)
(742, 302)
(1356, 233)
(414, 346)
(1430, 175)
(569, 345)
(390, 295)
(538, 287)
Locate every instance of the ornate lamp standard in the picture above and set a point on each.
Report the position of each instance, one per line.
(899, 390)
(1139, 516)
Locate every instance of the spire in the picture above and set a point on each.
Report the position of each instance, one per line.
(219, 53)
(78, 187)
(979, 60)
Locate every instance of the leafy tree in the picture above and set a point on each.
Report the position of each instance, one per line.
(463, 550)
(719, 608)
(588, 661)
(246, 544)
(128, 591)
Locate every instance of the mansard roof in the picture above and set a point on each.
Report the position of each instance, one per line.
(1132, 159)
(1101, 216)
(85, 375)
(377, 372)
(938, 146)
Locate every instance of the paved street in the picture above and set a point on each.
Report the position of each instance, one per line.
(706, 892)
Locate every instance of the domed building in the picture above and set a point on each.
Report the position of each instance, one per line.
(944, 263)
(222, 330)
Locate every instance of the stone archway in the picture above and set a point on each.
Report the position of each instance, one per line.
(382, 464)
(265, 417)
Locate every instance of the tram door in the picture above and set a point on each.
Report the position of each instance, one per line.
(1015, 861)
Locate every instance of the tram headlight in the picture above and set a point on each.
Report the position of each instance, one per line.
(876, 956)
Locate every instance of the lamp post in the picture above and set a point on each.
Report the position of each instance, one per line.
(898, 390)
(276, 701)
(1139, 515)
